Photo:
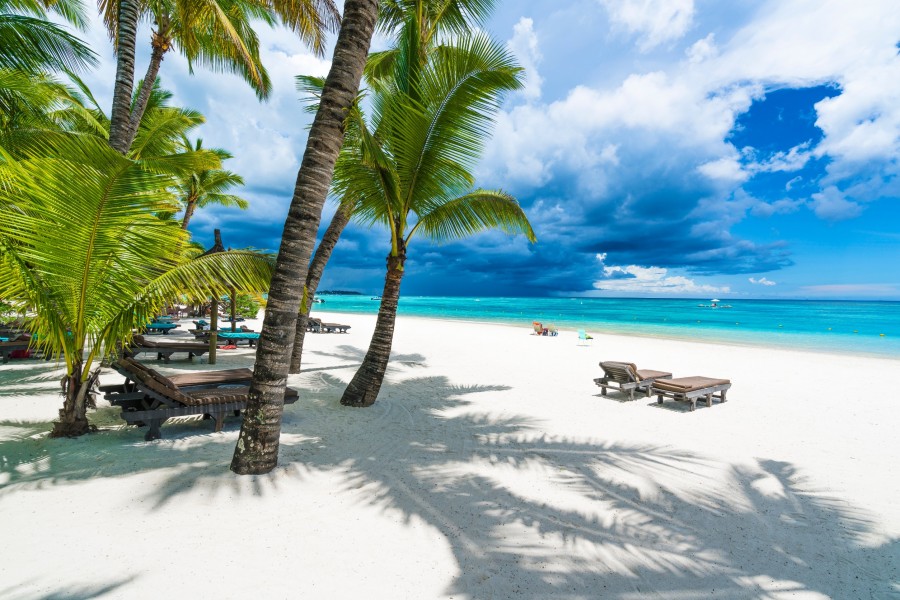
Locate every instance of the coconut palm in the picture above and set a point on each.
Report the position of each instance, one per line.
(217, 33)
(81, 246)
(417, 26)
(30, 43)
(411, 172)
(206, 187)
(257, 446)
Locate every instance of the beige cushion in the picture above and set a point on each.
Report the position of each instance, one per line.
(651, 374)
(688, 384)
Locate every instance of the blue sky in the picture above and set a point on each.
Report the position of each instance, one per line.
(659, 148)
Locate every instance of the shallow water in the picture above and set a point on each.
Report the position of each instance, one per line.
(869, 328)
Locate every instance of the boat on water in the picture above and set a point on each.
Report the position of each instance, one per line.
(375, 298)
(714, 303)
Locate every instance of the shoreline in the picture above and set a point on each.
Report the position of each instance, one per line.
(697, 338)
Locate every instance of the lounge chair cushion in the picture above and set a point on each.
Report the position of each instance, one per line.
(206, 378)
(683, 385)
(651, 374)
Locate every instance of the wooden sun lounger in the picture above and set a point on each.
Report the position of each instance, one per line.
(335, 328)
(150, 398)
(7, 348)
(165, 348)
(689, 389)
(628, 378)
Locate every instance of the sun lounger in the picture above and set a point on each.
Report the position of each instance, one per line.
(335, 328)
(628, 378)
(19, 344)
(149, 398)
(314, 325)
(165, 349)
(539, 329)
(163, 328)
(689, 389)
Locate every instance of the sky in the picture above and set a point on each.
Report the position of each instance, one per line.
(742, 149)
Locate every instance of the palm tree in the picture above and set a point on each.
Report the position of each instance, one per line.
(412, 173)
(416, 24)
(81, 246)
(257, 447)
(30, 43)
(202, 188)
(216, 33)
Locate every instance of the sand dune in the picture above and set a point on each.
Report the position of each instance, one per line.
(490, 467)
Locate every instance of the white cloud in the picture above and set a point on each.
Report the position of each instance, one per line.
(655, 21)
(649, 280)
(832, 205)
(761, 281)
(524, 44)
(702, 49)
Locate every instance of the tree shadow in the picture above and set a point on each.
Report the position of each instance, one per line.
(69, 592)
(356, 354)
(524, 515)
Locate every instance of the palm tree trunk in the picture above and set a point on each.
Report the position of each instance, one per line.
(316, 268)
(161, 43)
(257, 447)
(76, 393)
(120, 119)
(188, 213)
(364, 387)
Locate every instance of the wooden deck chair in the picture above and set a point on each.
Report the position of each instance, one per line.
(583, 338)
(155, 398)
(627, 378)
(165, 348)
(689, 389)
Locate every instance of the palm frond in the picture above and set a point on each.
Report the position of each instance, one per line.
(33, 44)
(472, 213)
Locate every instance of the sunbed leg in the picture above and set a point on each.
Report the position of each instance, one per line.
(722, 397)
(154, 432)
(631, 394)
(220, 421)
(709, 400)
(602, 389)
(693, 402)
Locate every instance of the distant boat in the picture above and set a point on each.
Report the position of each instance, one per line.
(714, 303)
(375, 298)
(317, 300)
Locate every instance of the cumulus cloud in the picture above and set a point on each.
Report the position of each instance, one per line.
(761, 281)
(524, 45)
(831, 204)
(654, 21)
(650, 280)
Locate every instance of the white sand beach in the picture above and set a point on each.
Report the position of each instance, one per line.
(490, 467)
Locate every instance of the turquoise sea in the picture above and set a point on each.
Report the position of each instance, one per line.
(869, 328)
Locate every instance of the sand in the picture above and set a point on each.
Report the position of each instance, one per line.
(490, 467)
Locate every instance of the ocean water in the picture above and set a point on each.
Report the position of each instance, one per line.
(868, 328)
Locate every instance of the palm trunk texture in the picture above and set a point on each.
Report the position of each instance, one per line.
(316, 268)
(161, 44)
(364, 387)
(73, 415)
(120, 119)
(257, 447)
(188, 213)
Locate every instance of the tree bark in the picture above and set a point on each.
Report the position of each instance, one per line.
(77, 396)
(364, 387)
(161, 43)
(316, 268)
(120, 118)
(188, 213)
(257, 447)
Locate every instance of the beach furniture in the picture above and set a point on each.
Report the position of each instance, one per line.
(552, 330)
(150, 398)
(163, 328)
(689, 389)
(335, 328)
(15, 345)
(317, 326)
(584, 337)
(165, 349)
(539, 328)
(236, 336)
(201, 324)
(628, 378)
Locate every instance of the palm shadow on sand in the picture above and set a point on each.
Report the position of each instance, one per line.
(639, 521)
